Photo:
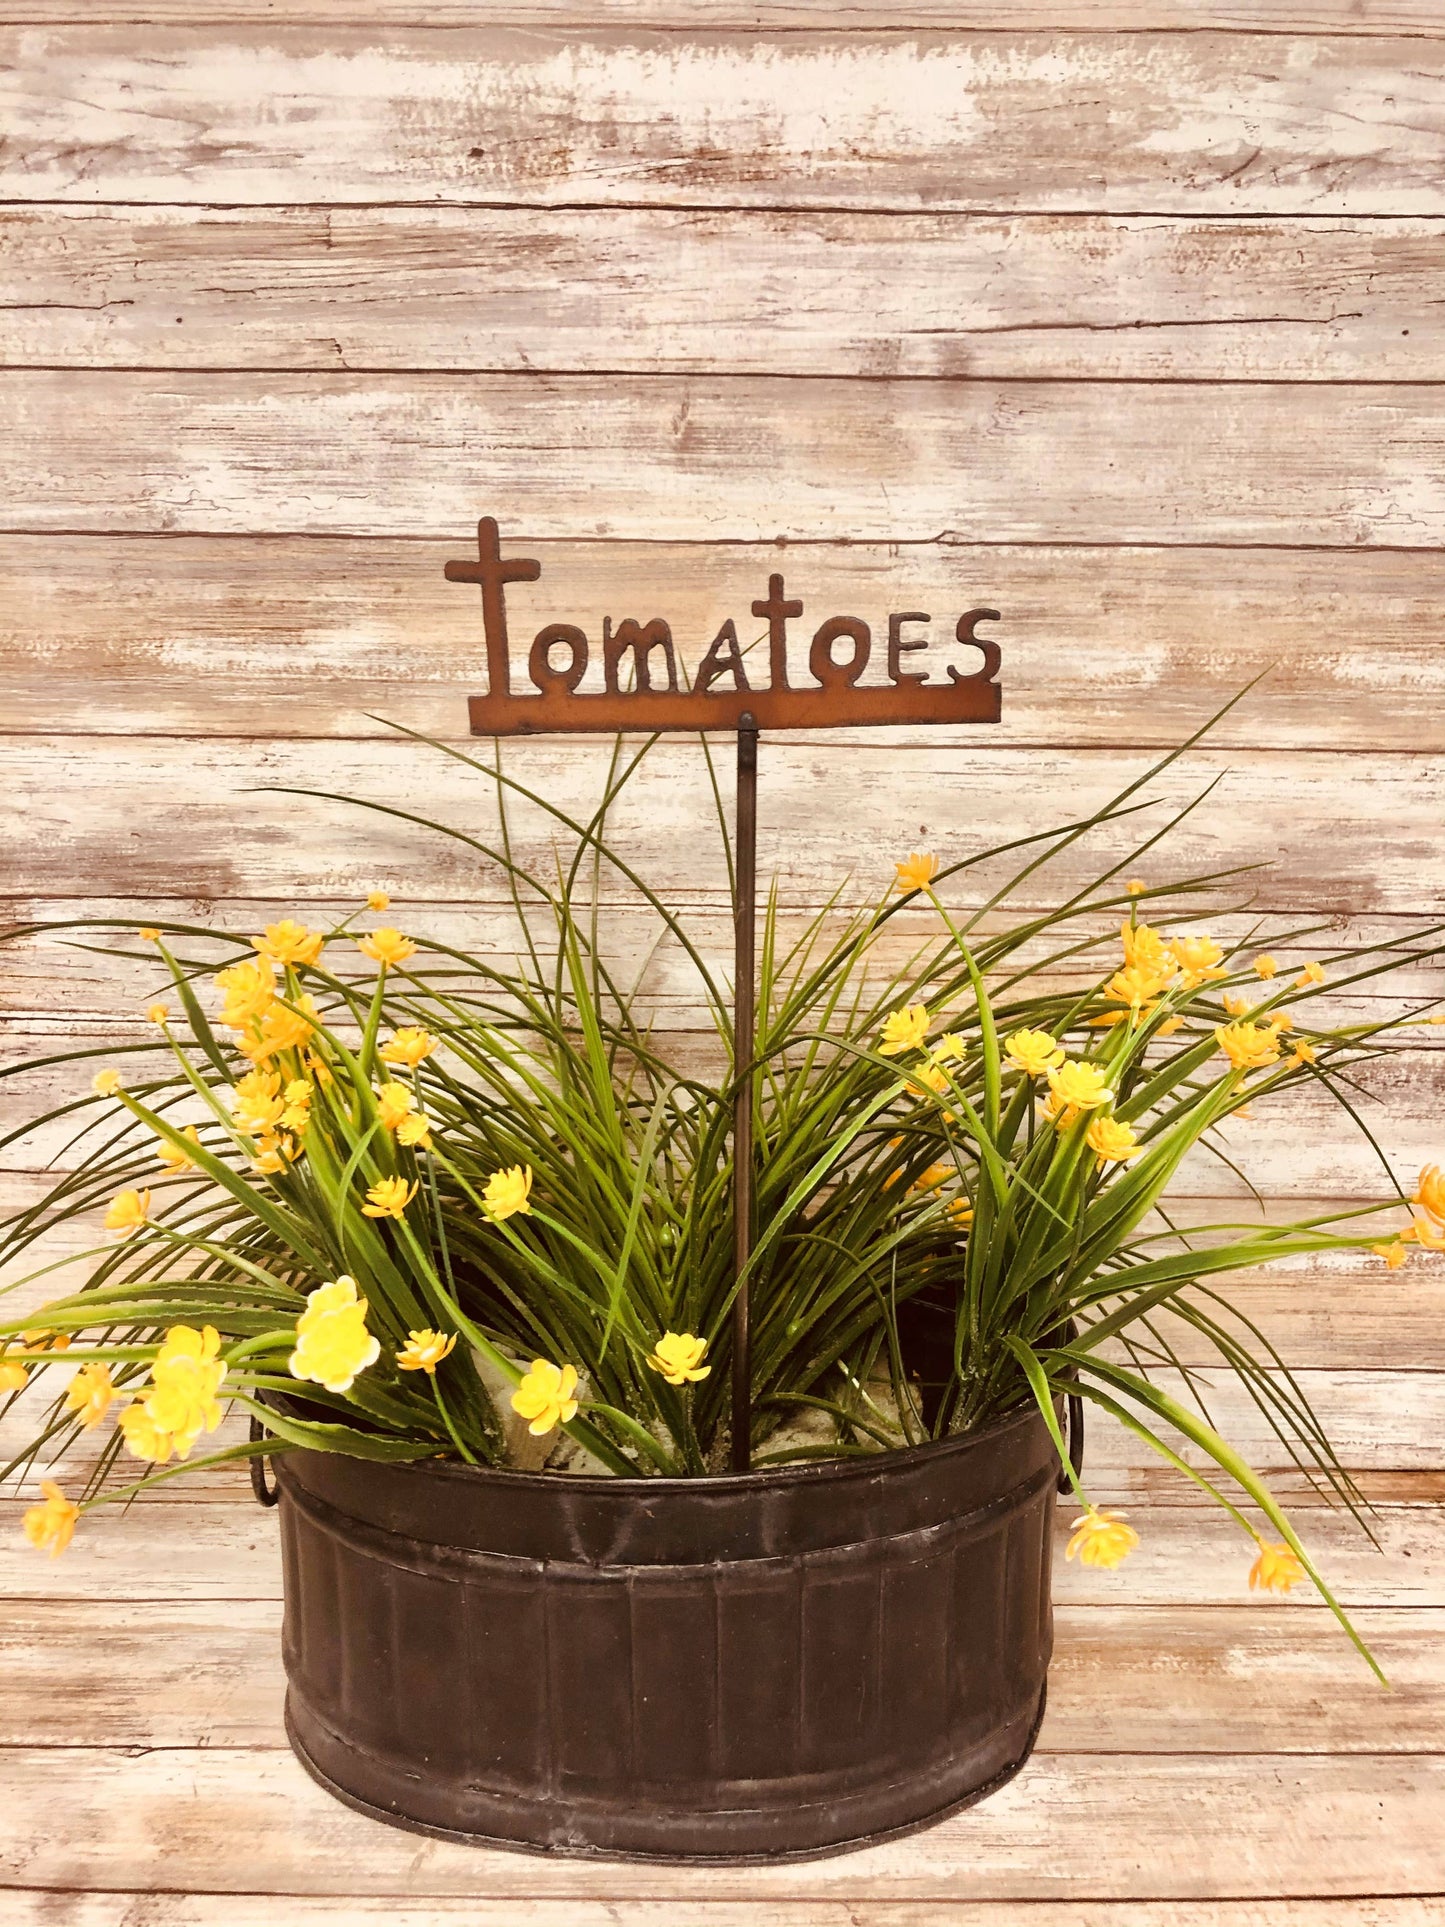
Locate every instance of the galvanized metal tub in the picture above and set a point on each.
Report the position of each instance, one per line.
(770, 1665)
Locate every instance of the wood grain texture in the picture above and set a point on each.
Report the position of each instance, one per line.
(1219, 124)
(1369, 17)
(1362, 17)
(1175, 1826)
(652, 290)
(209, 819)
(38, 1908)
(1125, 1679)
(100, 977)
(1378, 1422)
(276, 636)
(1297, 1143)
(702, 459)
(1121, 316)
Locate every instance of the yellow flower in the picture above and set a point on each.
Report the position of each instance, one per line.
(1200, 959)
(247, 990)
(678, 1356)
(1394, 1253)
(1430, 1192)
(297, 1114)
(1112, 1141)
(408, 1046)
(90, 1393)
(933, 1077)
(916, 872)
(185, 1379)
(1427, 1234)
(105, 1083)
(289, 942)
(1101, 1538)
(274, 1153)
(1312, 973)
(393, 1101)
(256, 1101)
(128, 1212)
(1275, 1570)
(1145, 949)
(157, 1014)
(544, 1396)
(1078, 1086)
(144, 1439)
(1169, 1026)
(46, 1341)
(388, 1198)
(1137, 985)
(386, 947)
(149, 935)
(1248, 1046)
(930, 1179)
(1236, 1006)
(903, 1030)
(950, 1048)
(279, 1028)
(424, 1351)
(1303, 1053)
(377, 900)
(414, 1132)
(13, 1375)
(1033, 1052)
(180, 1403)
(51, 1525)
(961, 1212)
(332, 1342)
(1136, 886)
(508, 1192)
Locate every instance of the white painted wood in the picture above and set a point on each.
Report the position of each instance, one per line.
(208, 819)
(722, 270)
(223, 1547)
(81, 969)
(1125, 1679)
(1337, 1314)
(1358, 1822)
(277, 637)
(1189, 123)
(1417, 18)
(763, 292)
(702, 458)
(1378, 1421)
(36, 1908)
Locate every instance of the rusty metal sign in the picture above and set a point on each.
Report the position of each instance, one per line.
(642, 655)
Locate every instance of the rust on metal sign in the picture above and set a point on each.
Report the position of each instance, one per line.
(642, 690)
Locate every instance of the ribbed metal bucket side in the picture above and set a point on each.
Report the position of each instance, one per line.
(731, 1709)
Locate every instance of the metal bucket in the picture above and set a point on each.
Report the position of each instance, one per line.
(761, 1666)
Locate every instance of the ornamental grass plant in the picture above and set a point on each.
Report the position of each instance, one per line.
(392, 1197)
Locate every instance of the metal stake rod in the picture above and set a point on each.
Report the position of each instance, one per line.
(744, 1025)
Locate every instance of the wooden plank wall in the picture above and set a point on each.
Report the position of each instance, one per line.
(1124, 316)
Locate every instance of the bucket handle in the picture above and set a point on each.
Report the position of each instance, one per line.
(269, 1494)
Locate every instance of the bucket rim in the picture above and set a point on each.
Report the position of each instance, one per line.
(815, 1472)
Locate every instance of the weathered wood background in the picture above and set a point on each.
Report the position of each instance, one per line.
(1126, 316)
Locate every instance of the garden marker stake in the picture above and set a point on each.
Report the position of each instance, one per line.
(837, 699)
